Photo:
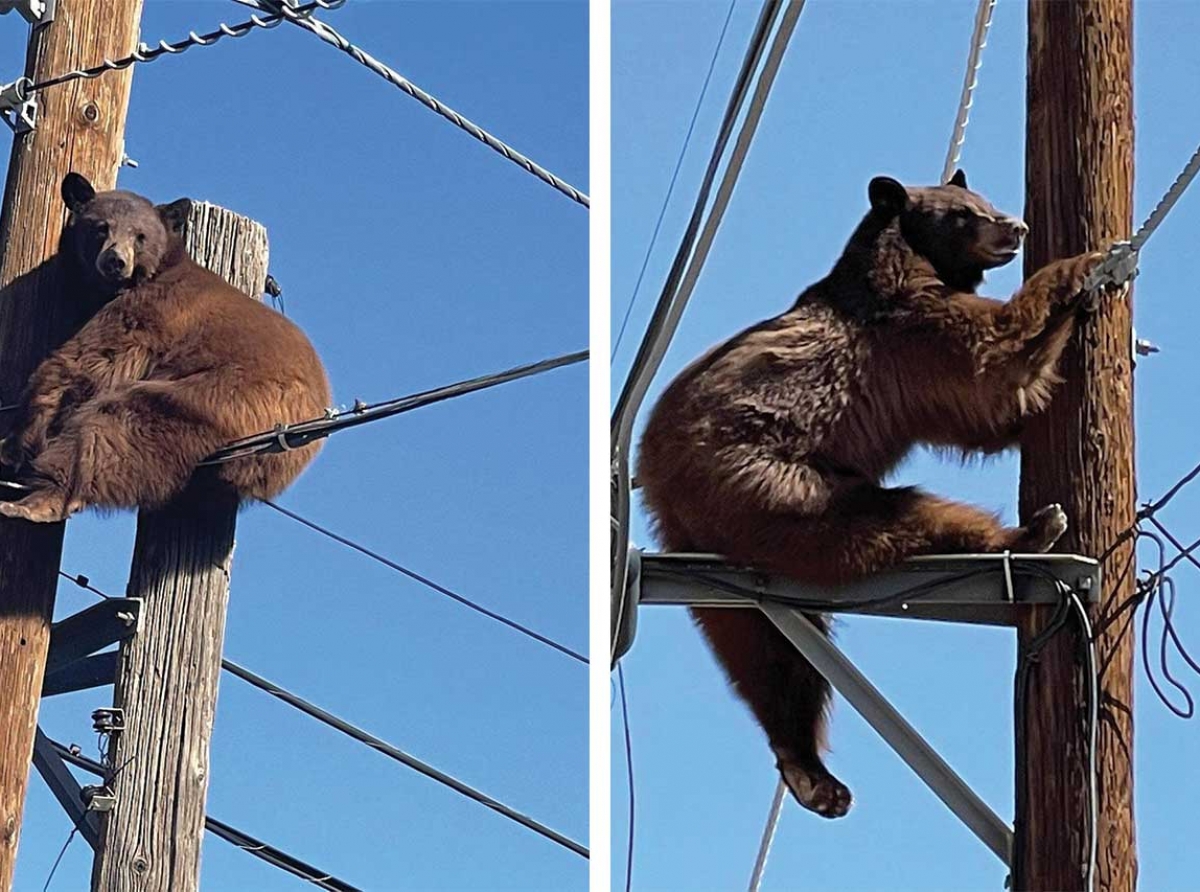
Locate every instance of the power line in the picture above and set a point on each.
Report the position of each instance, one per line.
(394, 752)
(399, 755)
(674, 177)
(689, 259)
(84, 583)
(333, 38)
(293, 436)
(244, 841)
(427, 582)
(983, 21)
(630, 836)
(25, 88)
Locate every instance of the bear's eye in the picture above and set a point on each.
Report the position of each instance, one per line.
(141, 238)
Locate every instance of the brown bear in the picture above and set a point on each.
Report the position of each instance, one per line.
(174, 364)
(770, 449)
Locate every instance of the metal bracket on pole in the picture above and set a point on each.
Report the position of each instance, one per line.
(979, 588)
(81, 635)
(17, 108)
(36, 12)
(902, 737)
(65, 788)
(90, 672)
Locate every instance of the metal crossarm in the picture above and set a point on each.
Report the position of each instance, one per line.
(970, 588)
(977, 588)
(86, 632)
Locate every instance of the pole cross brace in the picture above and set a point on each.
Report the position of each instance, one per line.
(981, 588)
(66, 789)
(36, 12)
(75, 639)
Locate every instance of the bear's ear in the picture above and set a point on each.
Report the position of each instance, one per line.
(959, 179)
(76, 192)
(174, 215)
(887, 195)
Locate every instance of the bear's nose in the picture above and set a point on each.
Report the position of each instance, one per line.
(112, 264)
(1017, 227)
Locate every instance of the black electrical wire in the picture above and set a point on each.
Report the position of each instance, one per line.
(244, 841)
(428, 583)
(393, 752)
(293, 436)
(400, 756)
(629, 777)
(674, 177)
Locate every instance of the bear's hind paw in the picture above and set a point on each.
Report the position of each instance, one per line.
(41, 507)
(818, 791)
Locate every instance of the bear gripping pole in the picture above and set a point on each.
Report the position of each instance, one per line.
(80, 127)
(167, 674)
(1079, 197)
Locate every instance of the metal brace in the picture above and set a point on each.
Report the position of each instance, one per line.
(36, 12)
(15, 102)
(1119, 267)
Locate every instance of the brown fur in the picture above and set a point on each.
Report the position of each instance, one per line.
(175, 364)
(771, 448)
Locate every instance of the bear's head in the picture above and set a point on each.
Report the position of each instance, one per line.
(117, 239)
(955, 229)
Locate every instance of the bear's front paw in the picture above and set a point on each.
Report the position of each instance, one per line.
(1073, 272)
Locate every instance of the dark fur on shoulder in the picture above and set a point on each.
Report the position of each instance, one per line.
(173, 363)
(771, 448)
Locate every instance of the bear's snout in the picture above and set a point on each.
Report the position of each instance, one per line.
(1017, 229)
(112, 265)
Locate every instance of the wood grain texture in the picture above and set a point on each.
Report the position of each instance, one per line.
(80, 128)
(168, 672)
(1079, 180)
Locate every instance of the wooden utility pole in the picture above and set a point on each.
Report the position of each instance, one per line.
(167, 674)
(1079, 180)
(80, 127)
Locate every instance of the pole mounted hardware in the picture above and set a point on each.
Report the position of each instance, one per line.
(989, 589)
(108, 720)
(36, 12)
(18, 108)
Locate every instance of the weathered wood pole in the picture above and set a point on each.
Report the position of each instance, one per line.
(1079, 182)
(167, 674)
(80, 127)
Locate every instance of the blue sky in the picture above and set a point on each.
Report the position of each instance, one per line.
(412, 256)
(870, 88)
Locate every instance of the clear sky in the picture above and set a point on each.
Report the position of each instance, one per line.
(413, 256)
(870, 88)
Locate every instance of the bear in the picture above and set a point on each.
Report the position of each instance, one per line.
(771, 448)
(172, 364)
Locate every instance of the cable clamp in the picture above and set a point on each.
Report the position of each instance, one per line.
(36, 12)
(1118, 268)
(281, 439)
(1008, 578)
(18, 109)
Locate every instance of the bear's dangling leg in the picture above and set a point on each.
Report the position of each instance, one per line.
(787, 695)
